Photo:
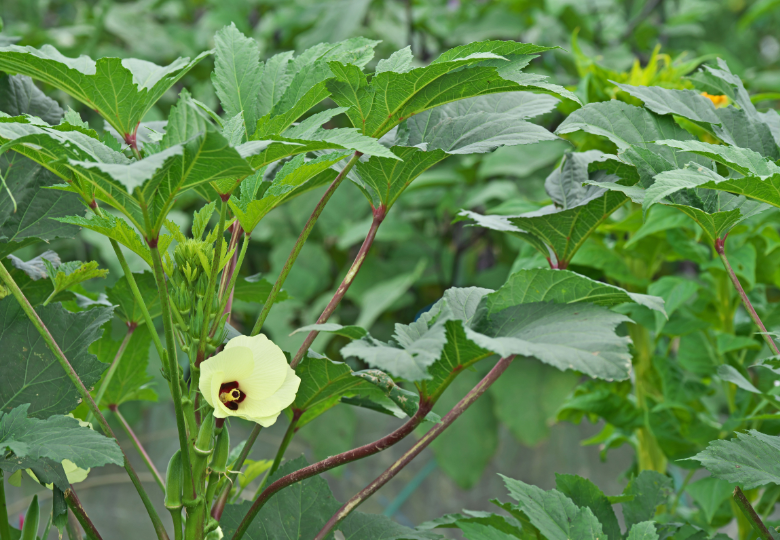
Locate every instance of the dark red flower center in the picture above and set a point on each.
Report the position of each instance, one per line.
(230, 395)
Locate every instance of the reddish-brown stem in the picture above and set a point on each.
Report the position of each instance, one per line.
(138, 446)
(419, 446)
(332, 462)
(720, 248)
(379, 216)
(75, 506)
(300, 242)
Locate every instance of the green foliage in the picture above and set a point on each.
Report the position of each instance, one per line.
(33, 374)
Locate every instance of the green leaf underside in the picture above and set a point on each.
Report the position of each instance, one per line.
(749, 460)
(56, 438)
(122, 91)
(563, 286)
(567, 336)
(31, 372)
(36, 207)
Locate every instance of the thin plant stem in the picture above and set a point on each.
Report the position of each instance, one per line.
(720, 247)
(78, 510)
(419, 446)
(225, 304)
(379, 216)
(300, 242)
(138, 446)
(219, 505)
(215, 263)
(85, 395)
(173, 372)
(5, 528)
(113, 367)
(334, 461)
(133, 287)
(228, 273)
(750, 514)
(288, 436)
(138, 298)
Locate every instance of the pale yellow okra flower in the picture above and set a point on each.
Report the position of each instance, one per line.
(250, 379)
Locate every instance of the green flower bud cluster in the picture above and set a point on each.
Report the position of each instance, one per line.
(187, 288)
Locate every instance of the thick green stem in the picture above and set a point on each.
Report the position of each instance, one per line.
(173, 372)
(138, 446)
(419, 446)
(720, 247)
(750, 514)
(209, 298)
(177, 527)
(379, 216)
(85, 395)
(219, 505)
(5, 529)
(112, 368)
(75, 506)
(300, 242)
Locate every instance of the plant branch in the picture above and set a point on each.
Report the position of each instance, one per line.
(5, 529)
(133, 287)
(419, 446)
(209, 298)
(334, 461)
(85, 395)
(379, 216)
(138, 446)
(299, 243)
(288, 435)
(747, 510)
(173, 371)
(113, 367)
(226, 302)
(720, 247)
(219, 505)
(75, 506)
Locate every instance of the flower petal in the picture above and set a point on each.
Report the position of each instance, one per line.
(254, 409)
(270, 370)
(228, 366)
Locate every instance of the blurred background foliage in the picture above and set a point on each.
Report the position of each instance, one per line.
(420, 250)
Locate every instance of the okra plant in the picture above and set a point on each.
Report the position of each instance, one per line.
(266, 145)
(271, 139)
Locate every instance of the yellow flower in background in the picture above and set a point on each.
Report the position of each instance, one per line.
(718, 101)
(249, 379)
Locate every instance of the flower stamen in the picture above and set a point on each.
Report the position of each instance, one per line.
(230, 395)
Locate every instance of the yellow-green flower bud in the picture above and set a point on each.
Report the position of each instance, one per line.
(173, 482)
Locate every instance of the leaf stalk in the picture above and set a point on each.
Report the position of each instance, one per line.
(138, 446)
(379, 216)
(300, 242)
(419, 446)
